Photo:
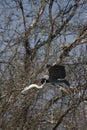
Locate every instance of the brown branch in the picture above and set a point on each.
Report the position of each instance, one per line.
(50, 16)
(74, 104)
(34, 22)
(75, 6)
(69, 47)
(51, 37)
(62, 116)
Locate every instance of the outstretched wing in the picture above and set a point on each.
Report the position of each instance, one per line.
(57, 72)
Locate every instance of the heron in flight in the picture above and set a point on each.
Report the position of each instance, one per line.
(56, 74)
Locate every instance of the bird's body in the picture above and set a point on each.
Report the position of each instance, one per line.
(56, 77)
(56, 72)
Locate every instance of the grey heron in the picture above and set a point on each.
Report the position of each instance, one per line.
(56, 74)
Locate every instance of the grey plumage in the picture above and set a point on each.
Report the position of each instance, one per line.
(56, 71)
(56, 77)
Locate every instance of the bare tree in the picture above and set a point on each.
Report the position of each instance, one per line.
(32, 34)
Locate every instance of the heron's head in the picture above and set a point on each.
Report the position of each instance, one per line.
(45, 78)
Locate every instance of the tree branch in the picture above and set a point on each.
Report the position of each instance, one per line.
(69, 47)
